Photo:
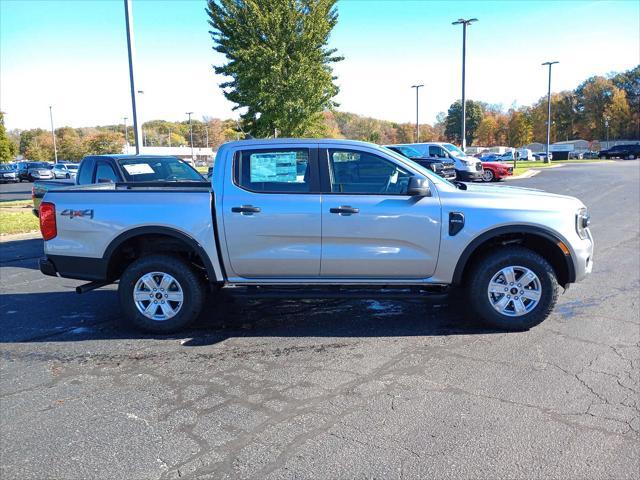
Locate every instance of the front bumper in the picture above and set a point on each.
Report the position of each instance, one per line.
(583, 257)
(469, 176)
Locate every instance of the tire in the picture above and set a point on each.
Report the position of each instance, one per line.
(488, 175)
(185, 281)
(67, 176)
(522, 260)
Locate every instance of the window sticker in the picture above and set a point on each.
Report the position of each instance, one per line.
(273, 167)
(138, 168)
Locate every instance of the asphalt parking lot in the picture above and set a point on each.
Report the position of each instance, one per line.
(334, 388)
(15, 191)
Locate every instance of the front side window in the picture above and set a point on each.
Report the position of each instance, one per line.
(277, 170)
(363, 172)
(436, 151)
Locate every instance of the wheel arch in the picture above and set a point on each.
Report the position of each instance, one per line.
(539, 239)
(153, 239)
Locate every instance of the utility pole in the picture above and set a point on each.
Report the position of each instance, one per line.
(417, 87)
(137, 128)
(546, 158)
(464, 23)
(191, 133)
(206, 131)
(53, 135)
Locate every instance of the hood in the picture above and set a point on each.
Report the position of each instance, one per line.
(520, 194)
(497, 164)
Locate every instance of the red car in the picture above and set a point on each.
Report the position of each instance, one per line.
(496, 171)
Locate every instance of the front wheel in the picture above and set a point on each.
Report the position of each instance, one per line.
(161, 293)
(487, 175)
(512, 288)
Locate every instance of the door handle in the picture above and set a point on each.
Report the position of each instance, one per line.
(246, 209)
(344, 210)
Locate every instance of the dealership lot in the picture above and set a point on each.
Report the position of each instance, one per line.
(291, 389)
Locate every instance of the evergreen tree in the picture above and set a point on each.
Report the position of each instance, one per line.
(278, 61)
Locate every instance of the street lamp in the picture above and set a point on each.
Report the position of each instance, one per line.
(464, 23)
(53, 135)
(137, 128)
(417, 87)
(546, 158)
(191, 133)
(126, 134)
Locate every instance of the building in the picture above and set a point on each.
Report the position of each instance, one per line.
(201, 155)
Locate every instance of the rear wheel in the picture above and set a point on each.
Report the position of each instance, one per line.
(161, 293)
(487, 175)
(512, 288)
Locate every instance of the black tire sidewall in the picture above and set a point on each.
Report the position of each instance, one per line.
(488, 266)
(192, 288)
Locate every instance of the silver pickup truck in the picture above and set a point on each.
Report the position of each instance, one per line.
(316, 218)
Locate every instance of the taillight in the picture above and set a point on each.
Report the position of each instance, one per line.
(48, 226)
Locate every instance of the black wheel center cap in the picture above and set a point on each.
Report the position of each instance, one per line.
(514, 290)
(158, 296)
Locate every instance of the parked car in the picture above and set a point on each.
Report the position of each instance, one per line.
(316, 218)
(121, 168)
(495, 171)
(467, 168)
(8, 174)
(630, 152)
(590, 155)
(542, 155)
(489, 157)
(65, 170)
(32, 171)
(444, 167)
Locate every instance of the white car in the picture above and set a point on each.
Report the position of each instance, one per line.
(65, 170)
(467, 168)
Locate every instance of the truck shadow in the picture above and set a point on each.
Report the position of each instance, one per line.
(21, 253)
(67, 317)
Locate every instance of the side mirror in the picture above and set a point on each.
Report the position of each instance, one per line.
(419, 187)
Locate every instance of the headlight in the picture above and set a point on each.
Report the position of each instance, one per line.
(583, 220)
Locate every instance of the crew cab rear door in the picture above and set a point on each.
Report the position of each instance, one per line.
(371, 228)
(271, 212)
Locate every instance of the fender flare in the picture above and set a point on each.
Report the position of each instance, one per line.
(170, 232)
(495, 232)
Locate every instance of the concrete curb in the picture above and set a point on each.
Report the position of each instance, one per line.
(528, 174)
(14, 237)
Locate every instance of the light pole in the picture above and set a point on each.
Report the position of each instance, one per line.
(417, 87)
(126, 133)
(137, 128)
(191, 133)
(606, 125)
(53, 135)
(464, 23)
(546, 158)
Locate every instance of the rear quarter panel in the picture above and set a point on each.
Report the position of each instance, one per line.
(116, 212)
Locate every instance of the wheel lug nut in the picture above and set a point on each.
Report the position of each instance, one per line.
(166, 294)
(155, 289)
(155, 301)
(519, 285)
(515, 298)
(521, 292)
(508, 296)
(162, 301)
(506, 289)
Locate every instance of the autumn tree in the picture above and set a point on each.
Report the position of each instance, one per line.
(278, 62)
(7, 147)
(520, 130)
(487, 131)
(105, 142)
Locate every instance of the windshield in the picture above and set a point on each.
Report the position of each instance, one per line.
(158, 169)
(453, 150)
(6, 168)
(72, 167)
(38, 165)
(409, 152)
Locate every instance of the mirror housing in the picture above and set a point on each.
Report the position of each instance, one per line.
(419, 187)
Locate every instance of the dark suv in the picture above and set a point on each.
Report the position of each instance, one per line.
(622, 151)
(32, 171)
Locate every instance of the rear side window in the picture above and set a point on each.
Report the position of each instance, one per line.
(104, 172)
(84, 174)
(273, 171)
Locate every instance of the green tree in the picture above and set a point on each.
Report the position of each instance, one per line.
(69, 143)
(7, 147)
(453, 123)
(278, 61)
(104, 142)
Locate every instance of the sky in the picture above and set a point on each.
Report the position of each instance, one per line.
(72, 54)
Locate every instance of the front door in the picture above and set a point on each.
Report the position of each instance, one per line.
(371, 228)
(272, 215)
